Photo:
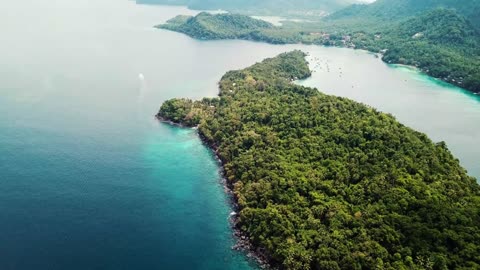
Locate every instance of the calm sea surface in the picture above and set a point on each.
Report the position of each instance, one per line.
(90, 180)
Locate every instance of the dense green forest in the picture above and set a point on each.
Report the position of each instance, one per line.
(440, 42)
(220, 26)
(299, 8)
(324, 182)
(394, 10)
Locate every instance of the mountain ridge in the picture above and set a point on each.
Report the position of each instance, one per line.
(394, 10)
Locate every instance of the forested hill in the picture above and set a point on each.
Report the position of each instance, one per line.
(323, 182)
(219, 26)
(440, 42)
(391, 10)
(273, 7)
(441, 37)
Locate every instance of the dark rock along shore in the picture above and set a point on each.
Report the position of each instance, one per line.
(243, 243)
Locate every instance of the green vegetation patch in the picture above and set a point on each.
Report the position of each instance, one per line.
(219, 26)
(324, 182)
(394, 10)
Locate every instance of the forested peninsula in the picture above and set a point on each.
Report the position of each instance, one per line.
(440, 42)
(324, 182)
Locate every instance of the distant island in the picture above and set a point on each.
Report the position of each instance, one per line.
(297, 8)
(444, 43)
(324, 182)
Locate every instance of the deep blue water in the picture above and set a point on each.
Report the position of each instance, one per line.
(90, 180)
(144, 198)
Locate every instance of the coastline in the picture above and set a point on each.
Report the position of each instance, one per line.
(242, 241)
(435, 80)
(457, 82)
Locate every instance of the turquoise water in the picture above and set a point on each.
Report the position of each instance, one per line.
(144, 200)
(90, 180)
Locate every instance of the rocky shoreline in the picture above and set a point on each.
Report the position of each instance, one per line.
(243, 243)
